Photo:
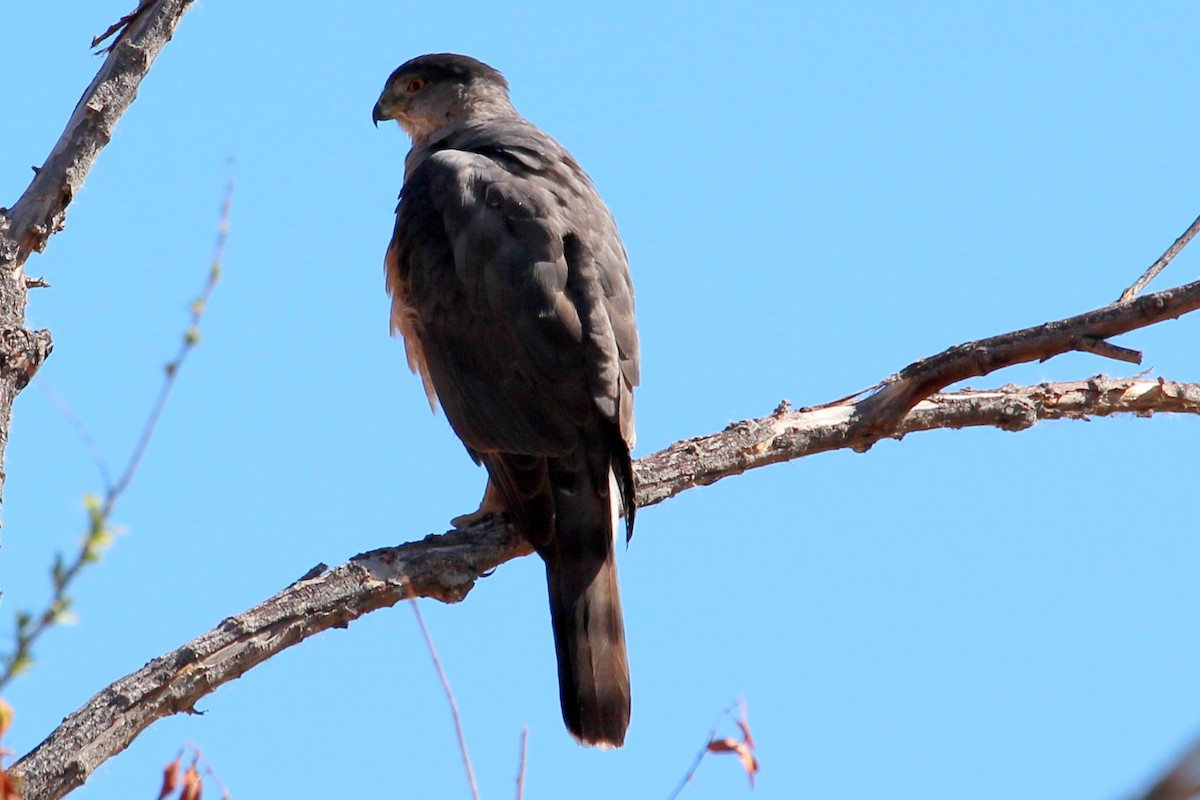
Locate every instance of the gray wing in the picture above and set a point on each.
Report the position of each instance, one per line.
(512, 266)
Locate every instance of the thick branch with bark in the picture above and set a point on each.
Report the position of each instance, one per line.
(787, 435)
(446, 567)
(1181, 781)
(1087, 333)
(41, 210)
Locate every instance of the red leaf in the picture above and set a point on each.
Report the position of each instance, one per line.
(742, 749)
(7, 790)
(745, 726)
(192, 783)
(170, 778)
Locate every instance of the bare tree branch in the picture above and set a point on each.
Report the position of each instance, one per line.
(441, 673)
(121, 26)
(442, 567)
(522, 763)
(41, 210)
(1181, 781)
(446, 567)
(1161, 264)
(787, 435)
(879, 414)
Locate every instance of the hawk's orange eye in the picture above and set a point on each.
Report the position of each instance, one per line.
(415, 85)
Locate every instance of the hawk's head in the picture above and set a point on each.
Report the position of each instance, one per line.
(433, 91)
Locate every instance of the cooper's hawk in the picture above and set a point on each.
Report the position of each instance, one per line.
(511, 289)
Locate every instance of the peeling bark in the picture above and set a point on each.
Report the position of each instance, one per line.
(445, 567)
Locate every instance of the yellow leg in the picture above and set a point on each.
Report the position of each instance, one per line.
(490, 505)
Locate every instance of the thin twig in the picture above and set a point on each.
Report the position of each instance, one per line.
(99, 535)
(80, 429)
(1158, 266)
(1105, 348)
(458, 729)
(210, 771)
(712, 734)
(521, 766)
(191, 338)
(120, 25)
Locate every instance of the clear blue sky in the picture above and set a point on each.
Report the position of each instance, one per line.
(812, 196)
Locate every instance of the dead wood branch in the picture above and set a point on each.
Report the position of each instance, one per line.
(1158, 266)
(446, 567)
(1181, 781)
(787, 435)
(881, 413)
(41, 210)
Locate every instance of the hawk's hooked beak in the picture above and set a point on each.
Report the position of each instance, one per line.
(377, 114)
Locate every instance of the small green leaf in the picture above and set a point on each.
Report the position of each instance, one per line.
(97, 543)
(60, 612)
(95, 511)
(21, 663)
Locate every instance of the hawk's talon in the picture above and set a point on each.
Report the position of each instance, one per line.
(475, 517)
(490, 506)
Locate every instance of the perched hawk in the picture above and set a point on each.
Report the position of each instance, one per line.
(511, 289)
